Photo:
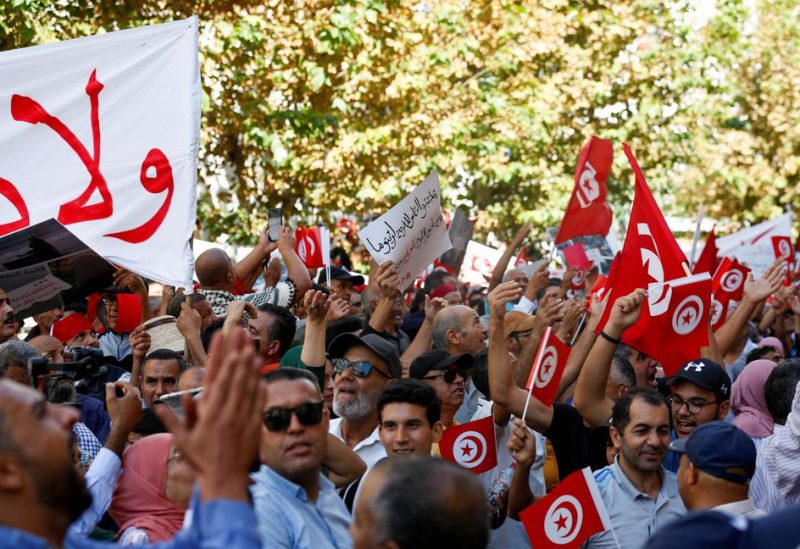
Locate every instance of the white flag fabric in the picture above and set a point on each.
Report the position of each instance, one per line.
(101, 133)
(753, 246)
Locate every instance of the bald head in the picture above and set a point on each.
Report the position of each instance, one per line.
(421, 502)
(457, 329)
(215, 270)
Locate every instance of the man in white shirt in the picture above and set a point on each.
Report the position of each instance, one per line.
(717, 462)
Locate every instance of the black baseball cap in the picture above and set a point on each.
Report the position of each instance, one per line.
(378, 345)
(706, 374)
(720, 449)
(341, 273)
(438, 359)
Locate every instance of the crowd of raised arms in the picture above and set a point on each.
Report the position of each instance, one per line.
(314, 411)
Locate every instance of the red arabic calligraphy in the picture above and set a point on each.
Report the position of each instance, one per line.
(26, 109)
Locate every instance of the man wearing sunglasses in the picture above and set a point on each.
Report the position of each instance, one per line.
(446, 373)
(701, 392)
(362, 368)
(295, 504)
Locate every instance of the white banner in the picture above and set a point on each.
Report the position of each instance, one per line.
(753, 246)
(101, 133)
(412, 234)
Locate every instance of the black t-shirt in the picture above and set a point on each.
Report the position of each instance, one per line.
(576, 446)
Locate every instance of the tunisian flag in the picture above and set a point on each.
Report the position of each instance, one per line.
(782, 246)
(650, 254)
(567, 516)
(708, 262)
(587, 212)
(675, 336)
(313, 246)
(471, 445)
(727, 287)
(548, 367)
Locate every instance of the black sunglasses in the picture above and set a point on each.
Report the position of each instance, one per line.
(449, 374)
(278, 419)
(361, 368)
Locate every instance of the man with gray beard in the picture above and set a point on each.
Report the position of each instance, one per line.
(362, 368)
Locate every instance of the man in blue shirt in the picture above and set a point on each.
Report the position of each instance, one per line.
(296, 506)
(41, 493)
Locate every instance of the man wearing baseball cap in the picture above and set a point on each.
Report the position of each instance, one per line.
(362, 368)
(717, 462)
(446, 373)
(700, 393)
(342, 281)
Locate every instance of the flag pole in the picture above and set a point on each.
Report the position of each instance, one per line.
(535, 370)
(578, 329)
(700, 214)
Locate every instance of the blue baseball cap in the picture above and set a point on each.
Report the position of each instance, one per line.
(720, 449)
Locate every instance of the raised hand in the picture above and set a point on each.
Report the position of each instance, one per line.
(387, 280)
(521, 445)
(625, 312)
(769, 283)
(502, 294)
(219, 436)
(433, 306)
(316, 303)
(139, 341)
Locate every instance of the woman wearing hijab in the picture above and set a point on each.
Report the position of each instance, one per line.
(748, 402)
(153, 491)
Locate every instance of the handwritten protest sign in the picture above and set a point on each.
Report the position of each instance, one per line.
(101, 133)
(412, 234)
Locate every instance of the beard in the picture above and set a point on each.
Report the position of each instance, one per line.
(639, 463)
(63, 491)
(363, 404)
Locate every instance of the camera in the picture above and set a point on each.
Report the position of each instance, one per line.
(86, 363)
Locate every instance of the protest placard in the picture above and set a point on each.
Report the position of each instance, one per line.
(753, 246)
(412, 234)
(101, 133)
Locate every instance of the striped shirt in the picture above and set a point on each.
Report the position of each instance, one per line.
(776, 482)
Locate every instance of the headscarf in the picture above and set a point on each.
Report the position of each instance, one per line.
(773, 342)
(140, 499)
(748, 402)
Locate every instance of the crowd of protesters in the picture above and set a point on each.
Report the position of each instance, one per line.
(311, 406)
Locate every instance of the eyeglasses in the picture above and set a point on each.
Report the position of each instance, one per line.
(694, 405)
(450, 374)
(361, 368)
(278, 419)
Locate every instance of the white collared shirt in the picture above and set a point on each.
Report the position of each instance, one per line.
(744, 508)
(370, 449)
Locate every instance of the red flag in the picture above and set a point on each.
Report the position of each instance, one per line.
(720, 307)
(576, 257)
(708, 262)
(471, 445)
(522, 258)
(674, 335)
(782, 245)
(567, 516)
(587, 212)
(548, 367)
(309, 247)
(728, 282)
(650, 254)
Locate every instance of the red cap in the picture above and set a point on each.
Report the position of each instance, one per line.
(70, 326)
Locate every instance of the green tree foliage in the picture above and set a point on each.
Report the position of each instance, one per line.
(325, 106)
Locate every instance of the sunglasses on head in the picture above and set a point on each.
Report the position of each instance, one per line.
(361, 368)
(278, 419)
(450, 374)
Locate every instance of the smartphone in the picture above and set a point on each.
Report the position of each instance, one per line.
(275, 217)
(174, 401)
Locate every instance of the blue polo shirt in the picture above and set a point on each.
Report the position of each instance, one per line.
(635, 516)
(287, 518)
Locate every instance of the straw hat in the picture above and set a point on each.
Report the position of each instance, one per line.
(164, 334)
